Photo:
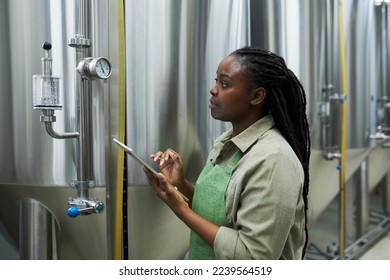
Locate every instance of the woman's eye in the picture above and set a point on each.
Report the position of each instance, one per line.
(223, 83)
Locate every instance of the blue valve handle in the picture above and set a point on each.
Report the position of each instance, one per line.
(73, 212)
(100, 208)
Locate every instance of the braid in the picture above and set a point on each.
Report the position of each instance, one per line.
(286, 100)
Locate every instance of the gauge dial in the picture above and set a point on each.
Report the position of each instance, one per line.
(95, 68)
(102, 67)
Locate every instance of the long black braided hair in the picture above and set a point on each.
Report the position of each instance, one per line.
(286, 100)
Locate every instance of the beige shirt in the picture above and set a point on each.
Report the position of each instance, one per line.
(264, 197)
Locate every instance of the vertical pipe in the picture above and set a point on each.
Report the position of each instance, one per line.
(83, 145)
(83, 108)
(117, 243)
(80, 13)
(343, 137)
(384, 64)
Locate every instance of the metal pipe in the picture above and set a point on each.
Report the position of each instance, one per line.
(48, 118)
(82, 172)
(65, 135)
(84, 148)
(80, 16)
(384, 60)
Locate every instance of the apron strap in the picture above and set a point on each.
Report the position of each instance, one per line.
(235, 159)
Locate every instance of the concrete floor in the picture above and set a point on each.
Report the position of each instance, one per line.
(325, 233)
(379, 251)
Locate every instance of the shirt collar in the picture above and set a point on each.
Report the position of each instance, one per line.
(249, 136)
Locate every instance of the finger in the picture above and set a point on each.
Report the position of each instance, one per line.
(157, 156)
(153, 181)
(163, 182)
(174, 158)
(168, 189)
(166, 156)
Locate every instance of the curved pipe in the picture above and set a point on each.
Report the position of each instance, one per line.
(66, 135)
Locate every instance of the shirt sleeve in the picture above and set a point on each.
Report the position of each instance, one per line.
(264, 203)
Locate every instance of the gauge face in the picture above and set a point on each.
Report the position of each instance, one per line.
(103, 68)
(94, 68)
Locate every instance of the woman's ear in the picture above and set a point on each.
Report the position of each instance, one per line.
(258, 96)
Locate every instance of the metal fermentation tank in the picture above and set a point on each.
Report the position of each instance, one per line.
(172, 52)
(306, 34)
(33, 164)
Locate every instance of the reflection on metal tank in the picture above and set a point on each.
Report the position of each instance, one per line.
(39, 231)
(172, 59)
(39, 159)
(34, 164)
(306, 34)
(172, 52)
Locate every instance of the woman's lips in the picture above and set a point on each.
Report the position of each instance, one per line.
(212, 104)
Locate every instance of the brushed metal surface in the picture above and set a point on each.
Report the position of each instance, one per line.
(173, 48)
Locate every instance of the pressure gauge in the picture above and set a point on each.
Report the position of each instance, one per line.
(94, 68)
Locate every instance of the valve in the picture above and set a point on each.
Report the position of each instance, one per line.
(84, 207)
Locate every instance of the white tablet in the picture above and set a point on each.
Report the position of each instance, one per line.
(135, 156)
(142, 162)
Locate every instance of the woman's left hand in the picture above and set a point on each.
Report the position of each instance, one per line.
(166, 192)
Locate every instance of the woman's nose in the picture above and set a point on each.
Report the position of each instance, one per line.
(213, 91)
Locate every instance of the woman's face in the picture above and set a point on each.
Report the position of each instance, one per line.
(230, 96)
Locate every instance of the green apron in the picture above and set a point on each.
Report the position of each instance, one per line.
(209, 202)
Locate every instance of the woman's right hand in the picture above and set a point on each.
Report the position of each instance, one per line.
(171, 165)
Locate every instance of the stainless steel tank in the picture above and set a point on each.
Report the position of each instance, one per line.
(306, 34)
(33, 164)
(171, 50)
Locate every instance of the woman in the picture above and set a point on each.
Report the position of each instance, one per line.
(250, 200)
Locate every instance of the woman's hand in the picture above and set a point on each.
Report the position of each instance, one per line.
(171, 166)
(166, 192)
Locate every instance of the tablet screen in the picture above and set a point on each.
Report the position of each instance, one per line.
(135, 156)
(143, 163)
